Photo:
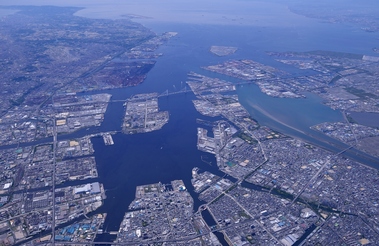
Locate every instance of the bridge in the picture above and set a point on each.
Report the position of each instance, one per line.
(166, 93)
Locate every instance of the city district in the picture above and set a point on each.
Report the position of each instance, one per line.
(275, 189)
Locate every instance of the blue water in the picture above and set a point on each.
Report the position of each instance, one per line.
(160, 156)
(171, 153)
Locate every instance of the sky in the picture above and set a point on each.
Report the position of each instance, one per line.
(263, 13)
(225, 12)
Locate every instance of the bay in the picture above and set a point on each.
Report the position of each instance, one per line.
(171, 152)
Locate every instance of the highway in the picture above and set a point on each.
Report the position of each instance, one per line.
(164, 94)
(348, 122)
(317, 174)
(167, 93)
(54, 170)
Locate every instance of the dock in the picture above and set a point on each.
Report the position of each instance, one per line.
(108, 140)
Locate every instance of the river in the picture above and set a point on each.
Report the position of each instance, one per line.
(171, 153)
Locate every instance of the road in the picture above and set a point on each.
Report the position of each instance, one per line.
(348, 122)
(54, 170)
(316, 175)
(248, 213)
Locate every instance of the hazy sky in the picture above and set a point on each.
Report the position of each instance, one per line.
(226, 12)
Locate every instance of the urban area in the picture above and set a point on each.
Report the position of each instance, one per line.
(274, 189)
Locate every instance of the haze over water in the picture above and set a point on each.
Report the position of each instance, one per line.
(252, 26)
